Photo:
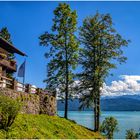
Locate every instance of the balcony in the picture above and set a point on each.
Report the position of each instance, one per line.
(8, 64)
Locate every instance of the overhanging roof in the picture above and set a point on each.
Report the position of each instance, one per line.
(9, 47)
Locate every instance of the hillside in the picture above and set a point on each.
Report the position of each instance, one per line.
(119, 103)
(46, 127)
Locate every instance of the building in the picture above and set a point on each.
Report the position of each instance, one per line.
(7, 62)
(41, 102)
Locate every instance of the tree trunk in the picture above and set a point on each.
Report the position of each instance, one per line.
(95, 115)
(98, 113)
(66, 92)
(67, 80)
(98, 88)
(66, 99)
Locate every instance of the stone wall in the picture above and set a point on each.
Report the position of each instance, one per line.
(33, 103)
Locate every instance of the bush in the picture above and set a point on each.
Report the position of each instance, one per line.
(131, 134)
(109, 126)
(9, 109)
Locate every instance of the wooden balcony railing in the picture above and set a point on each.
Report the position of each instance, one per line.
(15, 85)
(6, 82)
(9, 64)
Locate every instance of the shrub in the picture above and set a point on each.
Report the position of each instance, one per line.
(9, 109)
(131, 134)
(109, 126)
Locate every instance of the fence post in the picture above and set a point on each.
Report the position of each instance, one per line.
(14, 87)
(0, 70)
(28, 88)
(1, 84)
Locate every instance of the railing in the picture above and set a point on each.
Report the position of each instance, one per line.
(14, 84)
(6, 82)
(8, 63)
(19, 86)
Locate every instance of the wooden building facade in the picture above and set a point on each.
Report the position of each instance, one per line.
(7, 62)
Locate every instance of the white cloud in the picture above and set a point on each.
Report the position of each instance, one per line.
(128, 85)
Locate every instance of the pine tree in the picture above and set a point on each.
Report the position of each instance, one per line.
(63, 51)
(4, 33)
(109, 126)
(101, 48)
(131, 134)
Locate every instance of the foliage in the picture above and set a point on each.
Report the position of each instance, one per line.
(4, 33)
(9, 109)
(109, 126)
(101, 49)
(131, 134)
(33, 127)
(63, 51)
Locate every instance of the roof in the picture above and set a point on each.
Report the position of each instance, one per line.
(9, 47)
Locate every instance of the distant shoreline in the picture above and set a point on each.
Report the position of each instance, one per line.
(120, 103)
(103, 110)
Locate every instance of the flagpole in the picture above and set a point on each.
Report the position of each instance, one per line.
(24, 75)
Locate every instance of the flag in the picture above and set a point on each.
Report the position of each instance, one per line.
(21, 70)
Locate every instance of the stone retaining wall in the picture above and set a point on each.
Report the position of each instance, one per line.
(33, 103)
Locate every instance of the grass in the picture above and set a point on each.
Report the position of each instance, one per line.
(46, 127)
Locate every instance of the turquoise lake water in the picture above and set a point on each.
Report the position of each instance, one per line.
(126, 119)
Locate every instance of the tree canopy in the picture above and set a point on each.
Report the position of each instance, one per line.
(4, 33)
(101, 50)
(63, 48)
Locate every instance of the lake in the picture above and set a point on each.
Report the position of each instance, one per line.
(126, 119)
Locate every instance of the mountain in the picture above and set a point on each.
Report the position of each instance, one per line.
(116, 103)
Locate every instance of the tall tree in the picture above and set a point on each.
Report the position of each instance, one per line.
(63, 51)
(4, 33)
(101, 48)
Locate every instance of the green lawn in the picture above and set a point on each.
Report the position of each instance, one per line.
(46, 127)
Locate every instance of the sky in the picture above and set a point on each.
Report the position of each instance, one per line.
(26, 21)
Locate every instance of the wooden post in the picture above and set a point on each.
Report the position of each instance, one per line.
(14, 87)
(0, 70)
(1, 84)
(28, 88)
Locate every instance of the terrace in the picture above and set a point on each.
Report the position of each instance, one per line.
(18, 86)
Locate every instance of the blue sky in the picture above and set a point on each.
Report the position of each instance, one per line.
(26, 21)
